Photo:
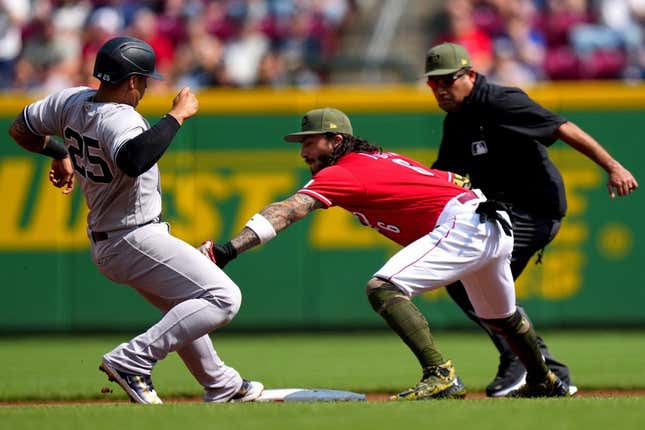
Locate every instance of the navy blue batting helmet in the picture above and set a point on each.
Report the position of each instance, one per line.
(121, 57)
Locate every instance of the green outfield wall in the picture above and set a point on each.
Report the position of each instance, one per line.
(230, 161)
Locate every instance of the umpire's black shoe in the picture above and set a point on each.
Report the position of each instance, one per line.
(550, 386)
(559, 368)
(511, 375)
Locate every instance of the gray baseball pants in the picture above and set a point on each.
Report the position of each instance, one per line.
(194, 295)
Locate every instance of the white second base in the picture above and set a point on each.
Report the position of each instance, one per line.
(307, 395)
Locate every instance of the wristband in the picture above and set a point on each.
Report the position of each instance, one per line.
(54, 149)
(262, 227)
(224, 254)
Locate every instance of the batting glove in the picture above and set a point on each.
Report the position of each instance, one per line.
(218, 254)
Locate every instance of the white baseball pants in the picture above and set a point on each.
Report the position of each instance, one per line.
(459, 248)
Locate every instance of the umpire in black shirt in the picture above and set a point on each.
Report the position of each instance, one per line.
(498, 137)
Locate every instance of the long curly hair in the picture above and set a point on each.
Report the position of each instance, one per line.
(352, 144)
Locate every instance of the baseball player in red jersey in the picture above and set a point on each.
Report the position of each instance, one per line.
(447, 232)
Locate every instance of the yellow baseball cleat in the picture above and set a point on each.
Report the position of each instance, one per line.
(438, 382)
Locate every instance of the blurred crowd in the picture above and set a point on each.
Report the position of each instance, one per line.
(522, 41)
(46, 45)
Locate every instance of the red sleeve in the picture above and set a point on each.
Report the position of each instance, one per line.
(335, 186)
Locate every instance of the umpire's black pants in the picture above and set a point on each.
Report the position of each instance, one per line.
(531, 235)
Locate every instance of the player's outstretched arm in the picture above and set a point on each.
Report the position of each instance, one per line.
(262, 227)
(620, 180)
(274, 218)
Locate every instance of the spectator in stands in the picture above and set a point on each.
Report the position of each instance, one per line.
(527, 40)
(198, 61)
(41, 54)
(13, 14)
(144, 26)
(236, 42)
(557, 20)
(273, 71)
(171, 22)
(243, 54)
(223, 18)
(618, 35)
(303, 45)
(519, 46)
(555, 39)
(103, 24)
(463, 30)
(68, 21)
(293, 42)
(507, 70)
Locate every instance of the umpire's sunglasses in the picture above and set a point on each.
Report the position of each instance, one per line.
(446, 81)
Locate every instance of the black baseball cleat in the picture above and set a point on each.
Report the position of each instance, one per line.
(138, 387)
(511, 375)
(551, 386)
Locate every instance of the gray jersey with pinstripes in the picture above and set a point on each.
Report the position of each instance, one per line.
(93, 134)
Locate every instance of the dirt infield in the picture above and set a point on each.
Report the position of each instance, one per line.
(371, 397)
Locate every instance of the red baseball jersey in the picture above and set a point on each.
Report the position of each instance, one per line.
(393, 194)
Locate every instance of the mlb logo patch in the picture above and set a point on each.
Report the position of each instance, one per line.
(479, 147)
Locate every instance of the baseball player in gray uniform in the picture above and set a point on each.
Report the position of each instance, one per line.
(111, 152)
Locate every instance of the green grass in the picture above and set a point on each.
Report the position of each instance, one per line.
(57, 367)
(581, 413)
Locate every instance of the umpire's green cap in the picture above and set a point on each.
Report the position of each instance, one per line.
(320, 121)
(445, 59)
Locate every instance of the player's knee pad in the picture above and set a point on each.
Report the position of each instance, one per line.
(513, 325)
(383, 294)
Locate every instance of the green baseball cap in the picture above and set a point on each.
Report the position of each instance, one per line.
(445, 59)
(320, 121)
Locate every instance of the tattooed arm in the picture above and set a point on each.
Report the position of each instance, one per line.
(45, 145)
(25, 138)
(280, 215)
(61, 174)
